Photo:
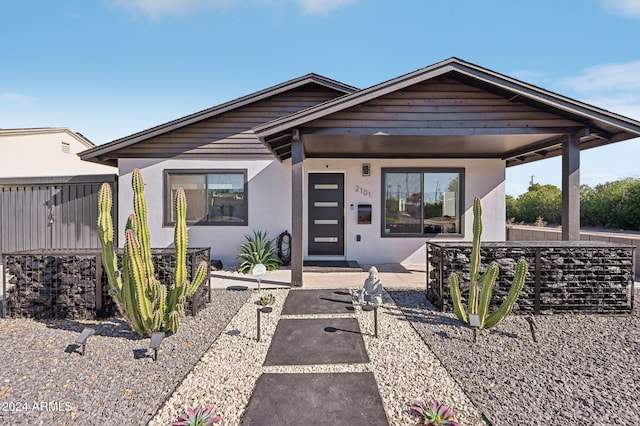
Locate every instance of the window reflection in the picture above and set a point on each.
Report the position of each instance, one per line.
(421, 201)
(212, 198)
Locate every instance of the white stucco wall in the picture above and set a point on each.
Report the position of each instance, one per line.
(269, 197)
(270, 204)
(484, 178)
(31, 153)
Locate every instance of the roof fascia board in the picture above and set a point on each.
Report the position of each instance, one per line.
(217, 110)
(34, 130)
(47, 130)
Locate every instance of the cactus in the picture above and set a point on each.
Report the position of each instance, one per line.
(146, 304)
(481, 286)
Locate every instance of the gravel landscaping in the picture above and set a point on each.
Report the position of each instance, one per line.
(44, 380)
(404, 368)
(582, 370)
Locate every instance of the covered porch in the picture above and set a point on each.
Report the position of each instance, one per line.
(448, 113)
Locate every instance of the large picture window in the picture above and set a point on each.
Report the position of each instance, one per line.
(422, 201)
(214, 197)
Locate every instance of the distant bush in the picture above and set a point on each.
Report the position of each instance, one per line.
(540, 201)
(608, 205)
(612, 205)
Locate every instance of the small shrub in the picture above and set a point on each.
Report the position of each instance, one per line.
(540, 222)
(258, 249)
(436, 414)
(268, 299)
(197, 417)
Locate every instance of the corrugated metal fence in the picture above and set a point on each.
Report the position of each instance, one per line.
(51, 213)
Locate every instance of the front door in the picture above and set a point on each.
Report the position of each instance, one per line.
(326, 214)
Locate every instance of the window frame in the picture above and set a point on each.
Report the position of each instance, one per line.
(422, 171)
(166, 195)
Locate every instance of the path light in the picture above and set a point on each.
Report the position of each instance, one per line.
(259, 272)
(474, 322)
(368, 307)
(263, 310)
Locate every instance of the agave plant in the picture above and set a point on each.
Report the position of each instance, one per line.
(267, 299)
(436, 414)
(258, 249)
(197, 417)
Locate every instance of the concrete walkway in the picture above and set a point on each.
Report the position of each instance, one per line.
(392, 275)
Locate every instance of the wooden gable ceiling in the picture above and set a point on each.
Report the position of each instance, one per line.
(452, 109)
(223, 130)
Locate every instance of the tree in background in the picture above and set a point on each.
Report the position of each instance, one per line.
(608, 205)
(611, 205)
(539, 201)
(512, 208)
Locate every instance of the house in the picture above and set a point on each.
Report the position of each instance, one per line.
(48, 195)
(367, 175)
(45, 152)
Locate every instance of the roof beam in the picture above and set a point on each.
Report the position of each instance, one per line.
(432, 131)
(552, 142)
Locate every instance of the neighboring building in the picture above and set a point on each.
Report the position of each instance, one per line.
(45, 152)
(367, 175)
(48, 195)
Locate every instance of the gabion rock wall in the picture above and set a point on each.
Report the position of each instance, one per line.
(569, 279)
(62, 284)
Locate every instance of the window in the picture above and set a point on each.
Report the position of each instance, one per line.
(422, 201)
(214, 197)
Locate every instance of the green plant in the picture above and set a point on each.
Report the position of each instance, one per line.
(436, 414)
(539, 200)
(268, 299)
(146, 304)
(540, 222)
(197, 417)
(481, 286)
(258, 249)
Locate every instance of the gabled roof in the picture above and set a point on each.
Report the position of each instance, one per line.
(93, 154)
(604, 126)
(44, 130)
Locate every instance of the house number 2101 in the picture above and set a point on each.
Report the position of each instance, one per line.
(363, 191)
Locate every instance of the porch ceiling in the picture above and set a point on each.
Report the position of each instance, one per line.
(413, 146)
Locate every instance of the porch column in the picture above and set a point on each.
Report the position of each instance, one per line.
(297, 201)
(571, 188)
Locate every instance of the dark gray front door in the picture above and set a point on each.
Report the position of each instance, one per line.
(326, 214)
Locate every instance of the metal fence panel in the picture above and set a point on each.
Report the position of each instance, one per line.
(51, 213)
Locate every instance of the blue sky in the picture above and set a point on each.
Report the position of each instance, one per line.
(109, 68)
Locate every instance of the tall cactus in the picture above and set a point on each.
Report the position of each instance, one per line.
(481, 286)
(141, 299)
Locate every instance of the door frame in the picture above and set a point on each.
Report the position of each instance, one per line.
(306, 212)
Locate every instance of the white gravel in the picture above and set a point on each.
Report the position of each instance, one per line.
(404, 367)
